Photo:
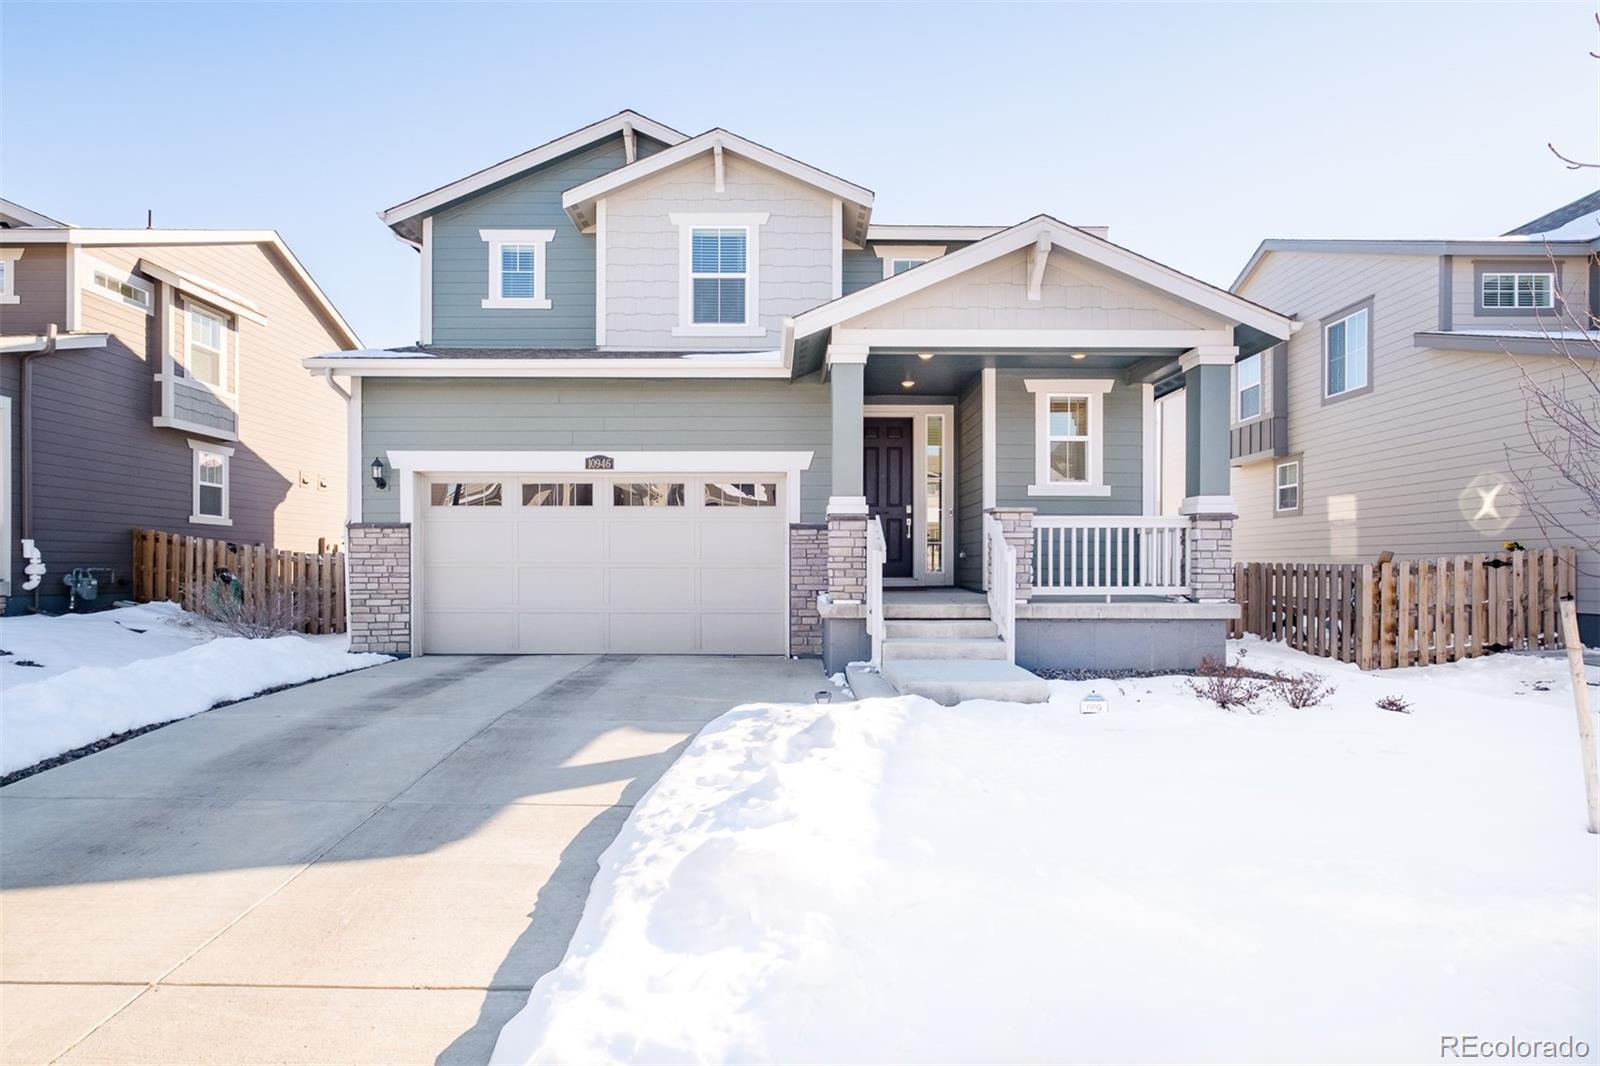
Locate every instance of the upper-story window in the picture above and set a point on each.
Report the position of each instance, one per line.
(517, 259)
(899, 258)
(121, 285)
(1346, 346)
(8, 274)
(1534, 290)
(1249, 392)
(205, 349)
(719, 262)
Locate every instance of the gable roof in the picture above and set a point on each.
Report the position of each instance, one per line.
(1069, 238)
(402, 217)
(1510, 247)
(9, 209)
(71, 235)
(579, 202)
(1583, 209)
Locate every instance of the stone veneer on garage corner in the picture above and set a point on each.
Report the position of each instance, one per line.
(808, 578)
(379, 580)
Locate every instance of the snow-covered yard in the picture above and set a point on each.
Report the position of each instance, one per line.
(1164, 882)
(71, 680)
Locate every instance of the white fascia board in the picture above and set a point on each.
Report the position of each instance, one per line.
(35, 342)
(999, 337)
(205, 291)
(1069, 238)
(532, 461)
(578, 201)
(426, 367)
(931, 233)
(158, 237)
(530, 159)
(27, 216)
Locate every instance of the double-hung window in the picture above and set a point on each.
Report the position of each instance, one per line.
(205, 351)
(719, 271)
(719, 263)
(210, 501)
(1346, 341)
(1530, 291)
(517, 268)
(1249, 371)
(1069, 430)
(1287, 485)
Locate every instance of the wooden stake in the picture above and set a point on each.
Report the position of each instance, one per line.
(1580, 700)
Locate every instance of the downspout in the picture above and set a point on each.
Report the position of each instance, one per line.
(327, 375)
(25, 427)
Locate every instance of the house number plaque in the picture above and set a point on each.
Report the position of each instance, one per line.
(599, 462)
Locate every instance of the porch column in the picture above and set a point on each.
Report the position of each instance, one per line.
(1016, 525)
(847, 501)
(1208, 492)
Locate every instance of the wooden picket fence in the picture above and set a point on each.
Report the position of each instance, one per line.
(1408, 612)
(169, 566)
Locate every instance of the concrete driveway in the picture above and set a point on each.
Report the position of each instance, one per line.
(372, 868)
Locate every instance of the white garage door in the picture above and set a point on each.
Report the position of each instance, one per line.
(655, 564)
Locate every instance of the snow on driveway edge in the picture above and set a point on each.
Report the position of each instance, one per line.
(81, 706)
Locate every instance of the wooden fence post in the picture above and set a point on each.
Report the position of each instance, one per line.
(1366, 617)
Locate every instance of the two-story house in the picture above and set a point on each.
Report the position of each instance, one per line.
(683, 394)
(152, 378)
(1397, 419)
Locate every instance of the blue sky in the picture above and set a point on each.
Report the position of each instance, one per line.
(1193, 131)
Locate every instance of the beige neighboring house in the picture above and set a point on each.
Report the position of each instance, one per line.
(152, 378)
(1384, 423)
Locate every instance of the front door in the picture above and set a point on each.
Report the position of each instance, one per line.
(886, 455)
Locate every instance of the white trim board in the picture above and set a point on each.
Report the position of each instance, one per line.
(751, 223)
(620, 367)
(918, 413)
(8, 532)
(497, 239)
(533, 157)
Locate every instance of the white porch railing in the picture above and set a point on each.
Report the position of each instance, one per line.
(877, 551)
(1002, 583)
(1142, 555)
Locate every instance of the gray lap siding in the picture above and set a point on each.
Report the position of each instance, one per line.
(567, 415)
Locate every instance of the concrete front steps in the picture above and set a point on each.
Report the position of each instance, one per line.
(948, 651)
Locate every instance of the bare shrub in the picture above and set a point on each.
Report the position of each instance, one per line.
(222, 610)
(1394, 703)
(1229, 686)
(1301, 690)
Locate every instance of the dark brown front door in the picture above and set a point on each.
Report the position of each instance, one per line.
(886, 449)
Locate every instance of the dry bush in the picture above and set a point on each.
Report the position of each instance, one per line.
(1301, 690)
(1394, 703)
(222, 612)
(1229, 686)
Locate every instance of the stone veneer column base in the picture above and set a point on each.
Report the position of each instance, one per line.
(378, 574)
(847, 557)
(808, 578)
(1016, 523)
(1211, 557)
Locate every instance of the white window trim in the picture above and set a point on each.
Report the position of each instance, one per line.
(540, 239)
(7, 532)
(891, 252)
(1366, 340)
(199, 448)
(1515, 276)
(229, 347)
(90, 266)
(751, 223)
(1260, 386)
(1278, 487)
(8, 291)
(1094, 389)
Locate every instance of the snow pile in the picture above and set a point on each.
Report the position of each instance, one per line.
(896, 881)
(100, 677)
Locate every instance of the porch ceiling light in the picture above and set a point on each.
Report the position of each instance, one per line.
(907, 383)
(1080, 355)
(924, 356)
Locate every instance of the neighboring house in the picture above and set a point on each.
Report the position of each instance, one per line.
(152, 378)
(664, 383)
(1396, 419)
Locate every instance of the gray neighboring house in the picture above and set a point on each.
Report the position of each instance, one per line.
(666, 388)
(1396, 419)
(152, 378)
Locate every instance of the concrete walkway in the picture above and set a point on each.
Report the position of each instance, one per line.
(373, 868)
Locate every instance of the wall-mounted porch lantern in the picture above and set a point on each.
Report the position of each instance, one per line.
(377, 474)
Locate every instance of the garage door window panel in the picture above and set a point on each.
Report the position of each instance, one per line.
(465, 494)
(741, 494)
(647, 494)
(558, 494)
